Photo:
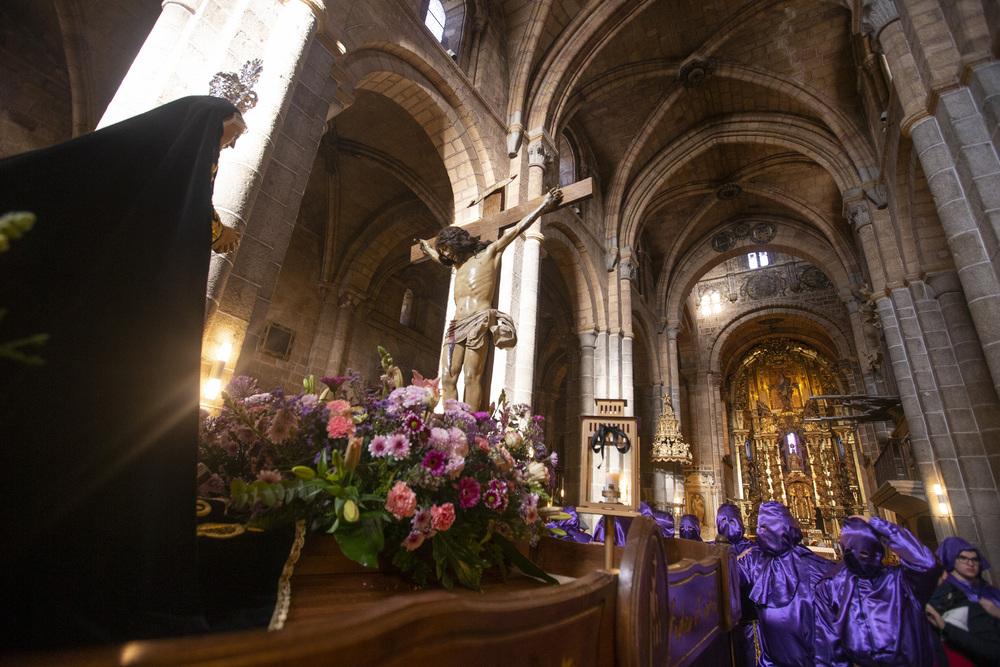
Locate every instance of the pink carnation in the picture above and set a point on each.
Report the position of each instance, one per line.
(340, 427)
(402, 501)
(339, 408)
(442, 516)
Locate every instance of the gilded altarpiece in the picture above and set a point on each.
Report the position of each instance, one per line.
(808, 466)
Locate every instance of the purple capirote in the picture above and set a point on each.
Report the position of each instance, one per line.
(729, 525)
(871, 614)
(782, 576)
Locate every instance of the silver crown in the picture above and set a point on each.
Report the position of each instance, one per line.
(238, 88)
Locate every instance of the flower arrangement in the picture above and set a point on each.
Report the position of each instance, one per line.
(436, 496)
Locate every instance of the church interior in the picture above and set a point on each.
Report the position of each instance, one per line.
(779, 249)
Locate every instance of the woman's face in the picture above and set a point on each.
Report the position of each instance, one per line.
(967, 565)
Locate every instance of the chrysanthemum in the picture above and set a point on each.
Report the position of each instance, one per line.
(496, 495)
(269, 476)
(413, 423)
(468, 492)
(399, 446)
(440, 439)
(282, 424)
(379, 446)
(434, 462)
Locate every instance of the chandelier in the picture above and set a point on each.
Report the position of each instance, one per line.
(668, 443)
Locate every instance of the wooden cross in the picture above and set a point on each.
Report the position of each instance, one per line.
(489, 228)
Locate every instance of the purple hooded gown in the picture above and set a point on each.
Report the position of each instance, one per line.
(729, 525)
(664, 519)
(783, 577)
(870, 614)
(690, 528)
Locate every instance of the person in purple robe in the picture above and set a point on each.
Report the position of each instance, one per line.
(690, 528)
(730, 529)
(664, 519)
(782, 576)
(571, 526)
(869, 614)
(964, 609)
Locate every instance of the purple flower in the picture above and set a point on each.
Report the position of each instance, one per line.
(413, 423)
(413, 540)
(434, 462)
(240, 387)
(379, 446)
(468, 492)
(496, 495)
(422, 520)
(399, 446)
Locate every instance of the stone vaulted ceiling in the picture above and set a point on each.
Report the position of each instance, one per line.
(677, 99)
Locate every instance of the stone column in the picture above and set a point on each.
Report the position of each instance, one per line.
(959, 158)
(348, 301)
(628, 273)
(675, 376)
(541, 152)
(588, 344)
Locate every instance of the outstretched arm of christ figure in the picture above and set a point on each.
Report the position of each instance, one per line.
(430, 251)
(551, 202)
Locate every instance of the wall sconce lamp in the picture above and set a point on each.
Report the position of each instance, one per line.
(939, 496)
(214, 384)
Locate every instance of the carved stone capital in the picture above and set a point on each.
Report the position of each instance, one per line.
(858, 214)
(539, 155)
(876, 15)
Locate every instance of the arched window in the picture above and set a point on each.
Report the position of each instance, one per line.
(567, 161)
(434, 20)
(711, 303)
(446, 21)
(406, 312)
(757, 259)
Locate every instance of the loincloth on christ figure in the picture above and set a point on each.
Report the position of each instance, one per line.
(473, 330)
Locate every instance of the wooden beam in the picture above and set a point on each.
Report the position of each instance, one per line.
(489, 228)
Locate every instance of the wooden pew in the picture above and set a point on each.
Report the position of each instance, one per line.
(342, 613)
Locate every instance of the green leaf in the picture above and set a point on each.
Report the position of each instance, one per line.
(521, 561)
(467, 566)
(269, 498)
(362, 541)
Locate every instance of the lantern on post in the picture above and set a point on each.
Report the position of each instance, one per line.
(610, 458)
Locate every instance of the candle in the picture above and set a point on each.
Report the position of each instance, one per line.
(612, 480)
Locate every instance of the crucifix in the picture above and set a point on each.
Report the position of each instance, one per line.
(476, 263)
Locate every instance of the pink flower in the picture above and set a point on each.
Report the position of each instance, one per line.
(269, 476)
(339, 408)
(468, 492)
(482, 443)
(434, 462)
(440, 439)
(379, 446)
(399, 446)
(413, 540)
(422, 519)
(496, 495)
(443, 516)
(459, 442)
(340, 427)
(402, 501)
(282, 424)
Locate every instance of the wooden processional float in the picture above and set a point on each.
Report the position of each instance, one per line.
(653, 601)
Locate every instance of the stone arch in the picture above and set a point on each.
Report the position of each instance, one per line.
(837, 341)
(800, 135)
(830, 232)
(409, 80)
(793, 239)
(580, 274)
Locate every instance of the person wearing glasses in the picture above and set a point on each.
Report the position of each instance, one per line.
(964, 608)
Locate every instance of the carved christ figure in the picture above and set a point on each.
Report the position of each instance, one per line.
(476, 264)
